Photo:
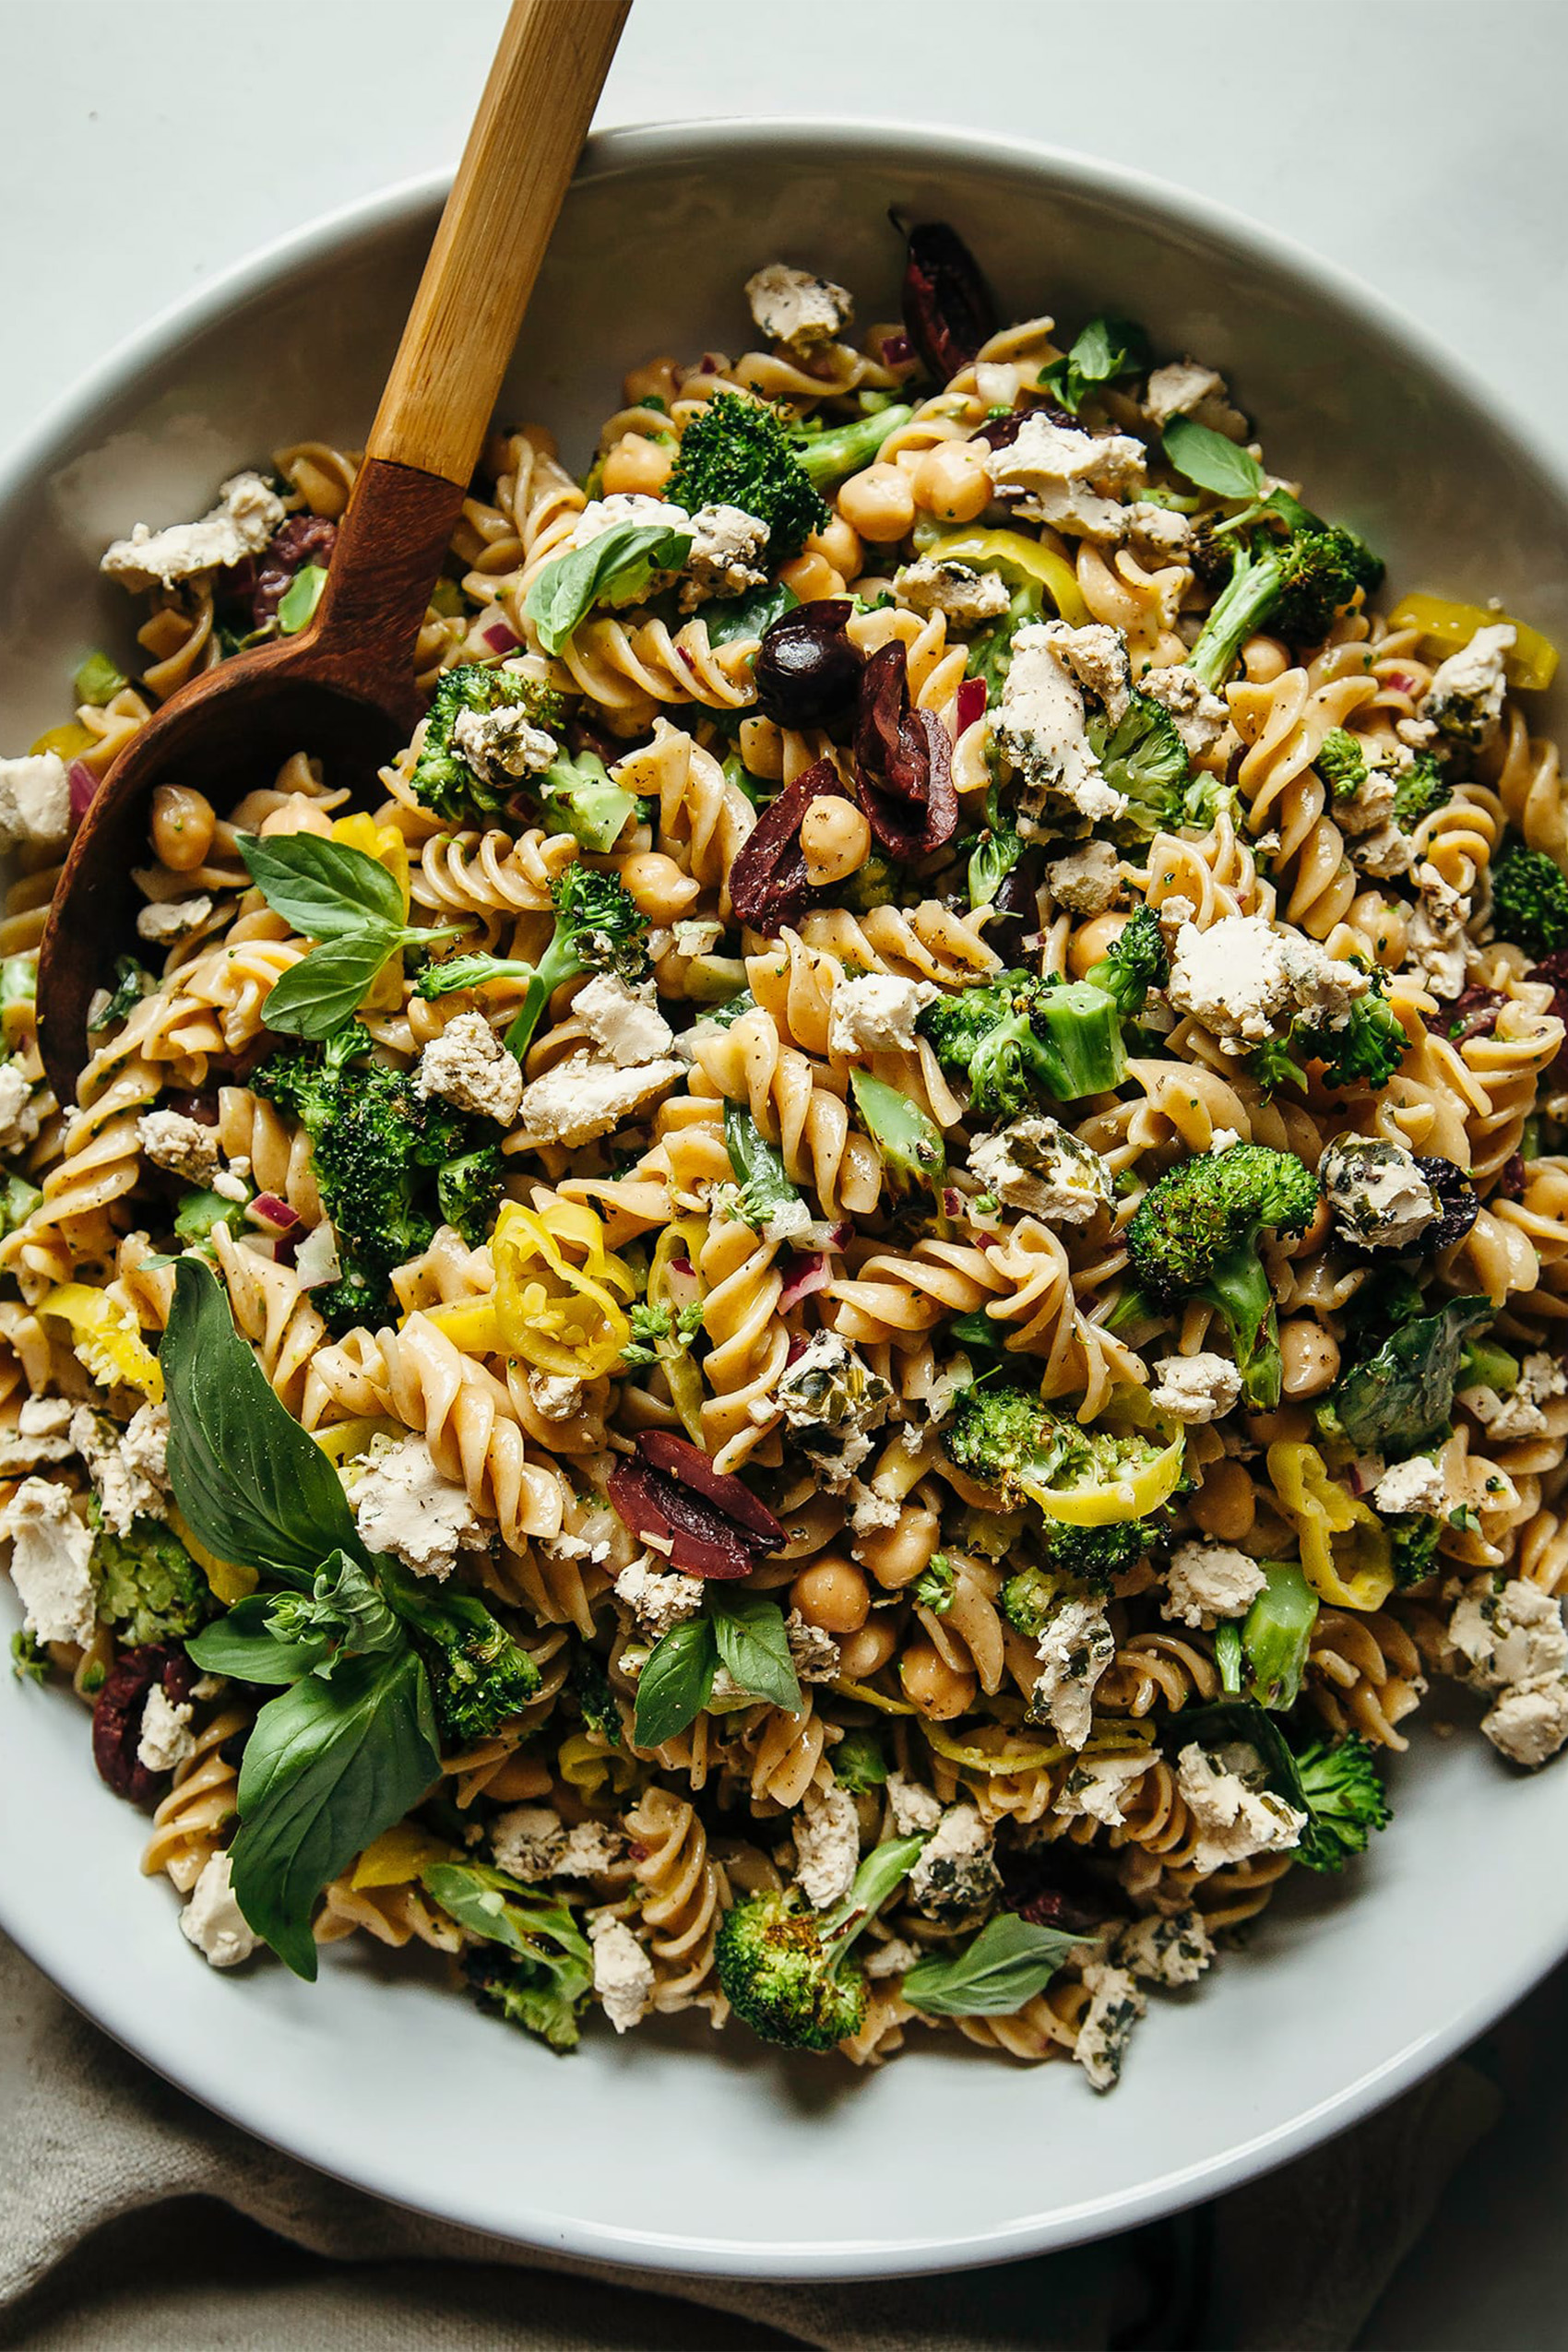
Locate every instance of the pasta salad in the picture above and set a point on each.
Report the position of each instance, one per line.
(833, 1326)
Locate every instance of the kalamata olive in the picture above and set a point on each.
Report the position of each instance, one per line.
(807, 671)
(768, 882)
(118, 1710)
(713, 1524)
(304, 539)
(948, 309)
(1017, 919)
(903, 764)
(1455, 1196)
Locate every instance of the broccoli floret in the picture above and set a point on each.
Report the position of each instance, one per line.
(468, 1191)
(599, 927)
(1273, 1064)
(783, 1967)
(377, 1147)
(1296, 589)
(1195, 1234)
(479, 1677)
(1094, 1555)
(1365, 1049)
(1529, 900)
(442, 780)
(737, 453)
(540, 1997)
(1345, 1801)
(31, 1662)
(1137, 961)
(1342, 762)
(1145, 758)
(1413, 1538)
(578, 797)
(859, 1762)
(827, 453)
(1018, 1037)
(1423, 786)
(1005, 1437)
(934, 1585)
(147, 1585)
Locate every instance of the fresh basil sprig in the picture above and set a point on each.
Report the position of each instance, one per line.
(343, 1614)
(618, 567)
(758, 1167)
(1107, 347)
(1007, 1964)
(1212, 461)
(743, 1631)
(346, 901)
(550, 1973)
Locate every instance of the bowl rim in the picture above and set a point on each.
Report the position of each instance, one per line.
(631, 148)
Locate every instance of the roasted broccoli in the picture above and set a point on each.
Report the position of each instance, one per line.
(1092, 1557)
(599, 927)
(783, 1967)
(1365, 1049)
(1194, 1233)
(1018, 1039)
(533, 1964)
(479, 1677)
(737, 452)
(1413, 1538)
(147, 1585)
(1007, 1438)
(1529, 900)
(542, 1996)
(1342, 762)
(379, 1150)
(859, 1762)
(1423, 786)
(1295, 586)
(442, 780)
(1345, 1801)
(827, 453)
(932, 1588)
(1145, 758)
(1135, 963)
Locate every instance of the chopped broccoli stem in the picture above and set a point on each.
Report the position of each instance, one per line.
(828, 456)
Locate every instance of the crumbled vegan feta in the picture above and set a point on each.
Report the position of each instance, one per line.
(896, 1958)
(601, 515)
(913, 1807)
(1384, 854)
(1185, 387)
(1519, 1414)
(1106, 2027)
(1371, 806)
(317, 1261)
(1209, 1581)
(828, 1846)
(503, 746)
(1233, 1821)
(556, 1395)
(1464, 698)
(42, 1434)
(18, 1112)
(1168, 1952)
(1240, 979)
(1196, 1388)
(1075, 1649)
(1415, 1485)
(1513, 1643)
(527, 1842)
(1039, 1165)
(696, 935)
(1435, 950)
(832, 1399)
(581, 1098)
(1095, 1786)
(1087, 881)
(246, 515)
(728, 552)
(163, 923)
(402, 1505)
(956, 590)
(1064, 475)
(1098, 657)
(467, 1066)
(1528, 1722)
(658, 1600)
(213, 1921)
(591, 1849)
(51, 1549)
(1376, 1194)
(814, 1653)
(792, 307)
(625, 1021)
(955, 1873)
(1040, 731)
(165, 1739)
(35, 800)
(623, 1973)
(874, 1013)
(1200, 716)
(181, 1145)
(127, 1491)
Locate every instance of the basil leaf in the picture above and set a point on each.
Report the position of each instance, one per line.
(327, 1767)
(243, 1644)
(489, 1904)
(1007, 1964)
(1212, 461)
(615, 568)
(1402, 1396)
(1107, 347)
(749, 615)
(343, 1614)
(253, 1486)
(752, 1643)
(326, 988)
(296, 607)
(676, 1684)
(758, 1168)
(323, 889)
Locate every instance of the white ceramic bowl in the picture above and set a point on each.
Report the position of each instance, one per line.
(676, 2147)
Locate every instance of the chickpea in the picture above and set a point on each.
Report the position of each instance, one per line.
(297, 815)
(1225, 1504)
(655, 381)
(838, 544)
(1092, 940)
(896, 1555)
(867, 1652)
(878, 503)
(832, 1593)
(1310, 1357)
(812, 577)
(931, 1685)
(656, 885)
(635, 463)
(183, 823)
(951, 482)
(835, 839)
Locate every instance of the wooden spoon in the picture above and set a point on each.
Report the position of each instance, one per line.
(344, 688)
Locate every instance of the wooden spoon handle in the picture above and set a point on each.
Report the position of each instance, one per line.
(518, 161)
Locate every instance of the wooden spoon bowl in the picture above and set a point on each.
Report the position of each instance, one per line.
(343, 690)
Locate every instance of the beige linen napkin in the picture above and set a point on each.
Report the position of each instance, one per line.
(131, 2218)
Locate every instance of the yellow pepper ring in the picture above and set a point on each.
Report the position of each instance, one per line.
(563, 1318)
(1531, 660)
(1131, 1497)
(1022, 560)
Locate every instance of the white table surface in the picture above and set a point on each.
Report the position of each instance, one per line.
(149, 143)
